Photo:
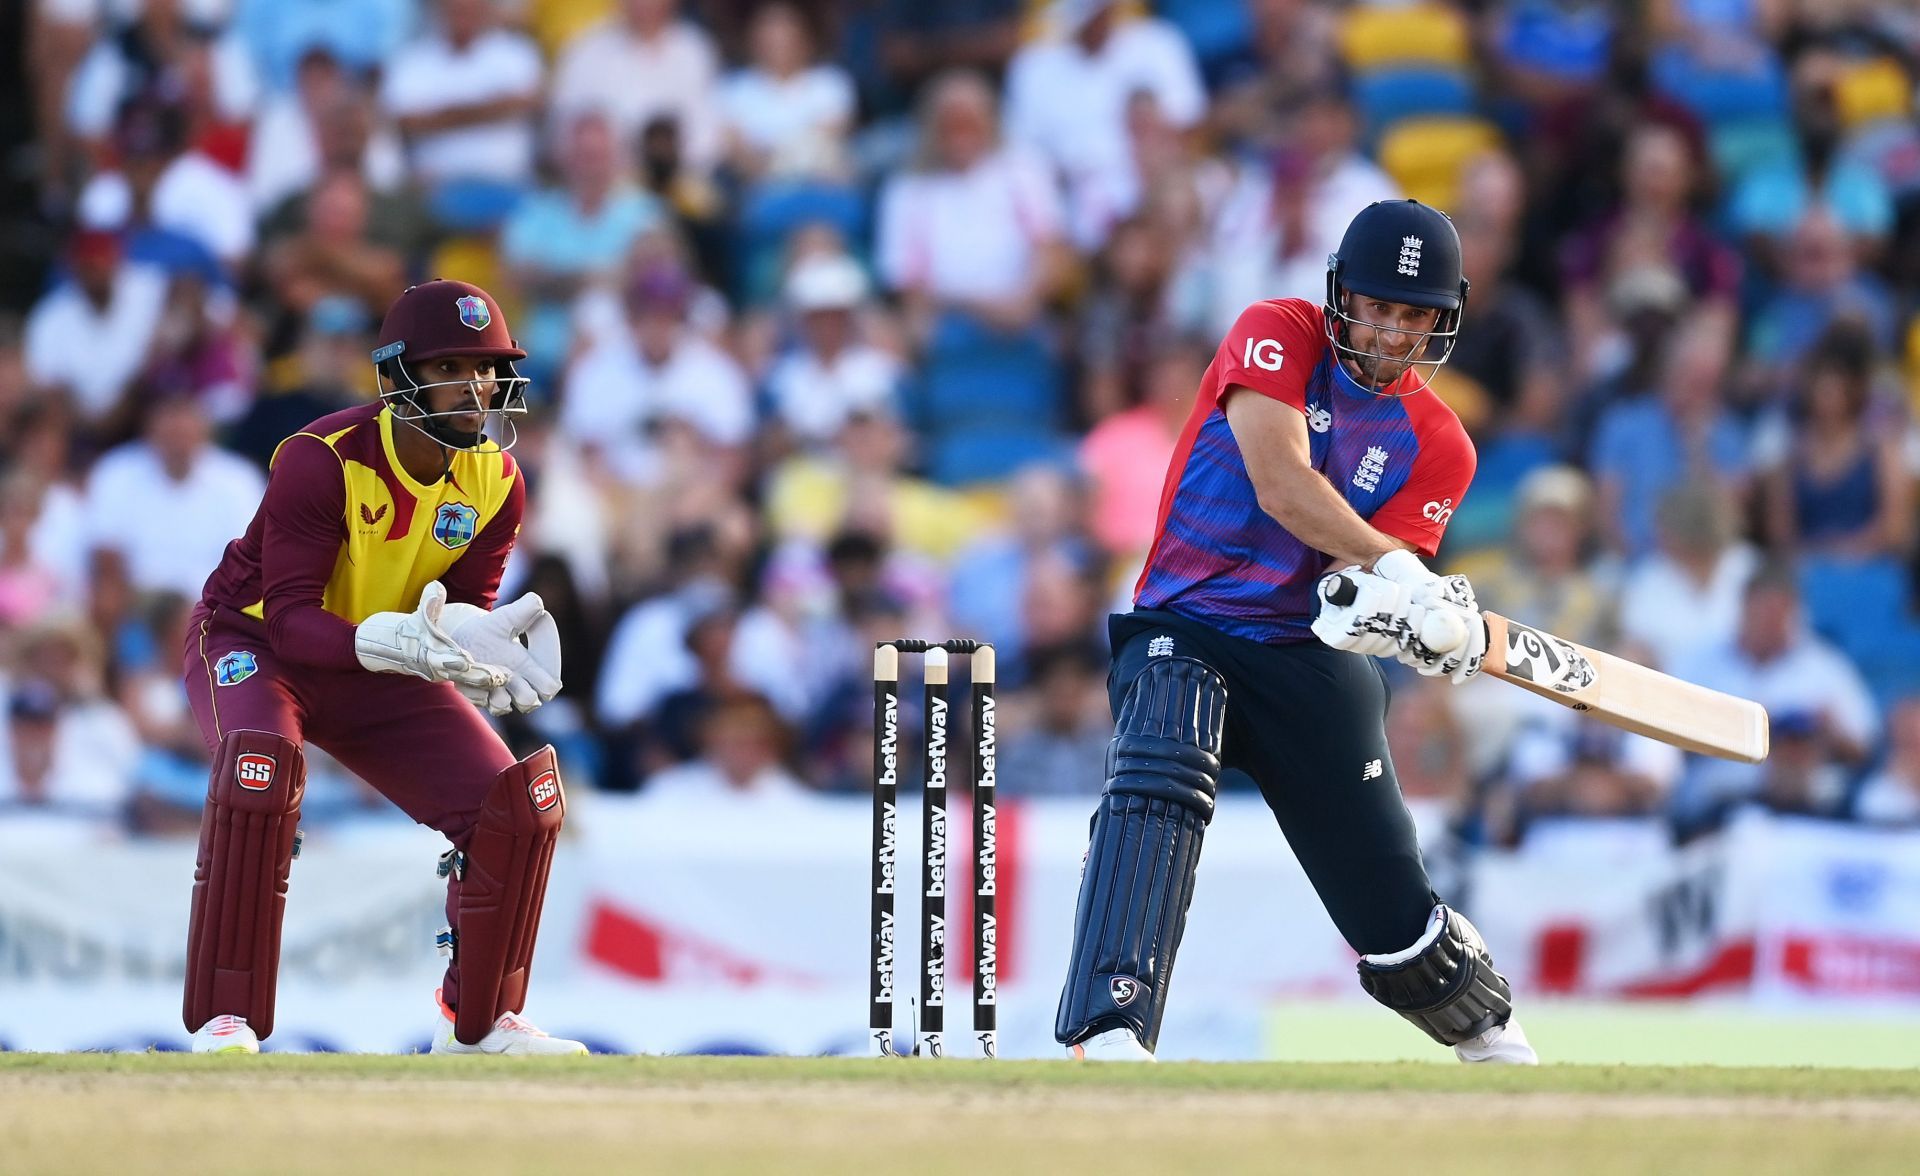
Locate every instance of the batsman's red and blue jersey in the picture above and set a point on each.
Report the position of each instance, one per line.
(1401, 458)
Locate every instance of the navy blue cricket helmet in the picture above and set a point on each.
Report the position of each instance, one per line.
(1398, 251)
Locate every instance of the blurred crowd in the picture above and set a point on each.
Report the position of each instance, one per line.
(853, 319)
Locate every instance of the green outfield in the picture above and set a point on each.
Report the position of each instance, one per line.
(1663, 1034)
(173, 1113)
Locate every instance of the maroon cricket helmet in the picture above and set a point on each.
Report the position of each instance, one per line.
(440, 318)
(445, 317)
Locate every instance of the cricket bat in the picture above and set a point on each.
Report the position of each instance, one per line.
(1620, 693)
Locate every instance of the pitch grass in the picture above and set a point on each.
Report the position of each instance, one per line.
(334, 1113)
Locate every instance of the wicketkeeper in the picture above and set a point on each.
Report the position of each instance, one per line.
(357, 613)
(1314, 445)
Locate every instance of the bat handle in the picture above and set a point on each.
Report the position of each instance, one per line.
(1340, 591)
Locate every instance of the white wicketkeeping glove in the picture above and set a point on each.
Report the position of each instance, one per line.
(417, 643)
(1362, 613)
(533, 668)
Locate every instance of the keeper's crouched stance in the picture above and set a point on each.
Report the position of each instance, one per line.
(1314, 446)
(357, 613)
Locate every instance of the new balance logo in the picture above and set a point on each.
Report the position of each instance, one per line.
(1161, 646)
(1372, 770)
(1319, 419)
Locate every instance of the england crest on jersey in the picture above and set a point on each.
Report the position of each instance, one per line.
(235, 668)
(473, 311)
(454, 525)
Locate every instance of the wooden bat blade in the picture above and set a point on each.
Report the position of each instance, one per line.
(1624, 694)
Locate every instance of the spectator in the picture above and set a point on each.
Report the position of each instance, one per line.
(67, 754)
(165, 506)
(1684, 434)
(1552, 50)
(1126, 456)
(1123, 317)
(562, 240)
(913, 43)
(973, 226)
(743, 752)
(29, 587)
(1652, 226)
(1841, 487)
(54, 777)
(643, 64)
(40, 448)
(1799, 779)
(993, 585)
(1891, 796)
(163, 184)
(1548, 572)
(88, 337)
(1509, 359)
(464, 100)
(361, 34)
(686, 191)
(1430, 748)
(1773, 196)
(1686, 595)
(861, 485)
(1062, 599)
(348, 140)
(329, 373)
(672, 731)
(1809, 689)
(59, 36)
(1289, 209)
(1068, 97)
(335, 253)
(155, 52)
(1054, 740)
(1577, 781)
(831, 372)
(786, 114)
(1291, 54)
(659, 373)
(283, 153)
(648, 658)
(198, 350)
(1823, 289)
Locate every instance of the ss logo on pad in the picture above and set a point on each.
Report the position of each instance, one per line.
(254, 771)
(544, 791)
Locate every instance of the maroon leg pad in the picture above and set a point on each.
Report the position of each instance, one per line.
(502, 889)
(240, 878)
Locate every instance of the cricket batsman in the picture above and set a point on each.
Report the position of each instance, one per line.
(357, 613)
(1314, 447)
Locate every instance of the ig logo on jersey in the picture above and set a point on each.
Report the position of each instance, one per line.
(454, 525)
(1266, 354)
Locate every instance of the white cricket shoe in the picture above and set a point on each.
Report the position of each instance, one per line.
(226, 1034)
(1115, 1045)
(511, 1034)
(1503, 1044)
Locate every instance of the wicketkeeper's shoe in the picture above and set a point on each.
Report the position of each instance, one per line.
(1115, 1045)
(1503, 1044)
(226, 1034)
(511, 1034)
